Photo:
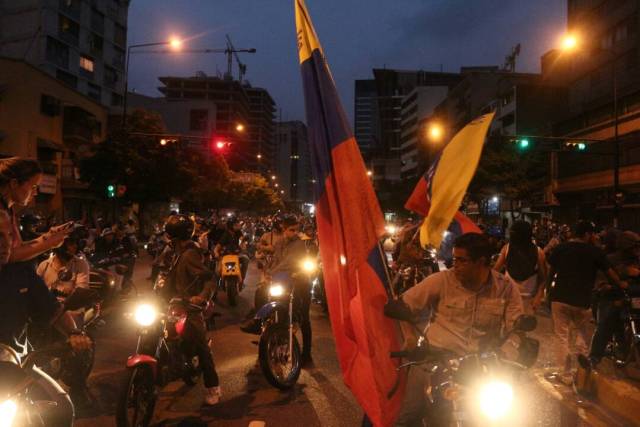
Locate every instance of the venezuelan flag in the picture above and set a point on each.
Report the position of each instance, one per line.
(440, 191)
(350, 225)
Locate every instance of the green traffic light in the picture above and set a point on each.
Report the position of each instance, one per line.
(110, 188)
(523, 143)
(582, 146)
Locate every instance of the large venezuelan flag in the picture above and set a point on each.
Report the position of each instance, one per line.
(350, 224)
(440, 191)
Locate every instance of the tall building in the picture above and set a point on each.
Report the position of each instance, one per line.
(603, 78)
(44, 119)
(293, 162)
(417, 107)
(366, 116)
(232, 115)
(78, 42)
(261, 127)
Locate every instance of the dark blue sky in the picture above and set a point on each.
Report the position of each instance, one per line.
(357, 35)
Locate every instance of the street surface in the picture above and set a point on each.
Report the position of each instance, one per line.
(319, 399)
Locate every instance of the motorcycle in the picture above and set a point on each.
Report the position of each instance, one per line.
(160, 358)
(279, 350)
(28, 396)
(230, 277)
(410, 275)
(477, 388)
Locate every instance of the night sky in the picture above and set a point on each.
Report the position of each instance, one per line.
(357, 35)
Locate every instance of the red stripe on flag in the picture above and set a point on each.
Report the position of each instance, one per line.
(418, 202)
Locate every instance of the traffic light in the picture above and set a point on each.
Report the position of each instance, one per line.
(111, 191)
(576, 146)
(523, 143)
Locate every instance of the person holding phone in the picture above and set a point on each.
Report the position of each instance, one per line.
(19, 180)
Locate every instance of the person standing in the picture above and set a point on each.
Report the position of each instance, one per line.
(574, 266)
(524, 262)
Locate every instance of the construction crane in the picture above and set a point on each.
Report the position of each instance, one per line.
(510, 59)
(242, 68)
(230, 51)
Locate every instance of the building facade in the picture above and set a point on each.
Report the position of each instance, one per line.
(603, 104)
(261, 128)
(81, 43)
(293, 170)
(365, 117)
(44, 119)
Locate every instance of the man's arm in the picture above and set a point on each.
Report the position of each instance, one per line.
(192, 262)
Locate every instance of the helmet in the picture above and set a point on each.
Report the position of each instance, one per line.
(179, 227)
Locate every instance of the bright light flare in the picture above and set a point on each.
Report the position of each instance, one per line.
(163, 142)
(276, 290)
(220, 145)
(435, 132)
(391, 229)
(240, 127)
(175, 43)
(369, 173)
(145, 314)
(495, 399)
(569, 42)
(8, 410)
(309, 265)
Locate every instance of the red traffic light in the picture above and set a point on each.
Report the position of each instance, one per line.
(220, 145)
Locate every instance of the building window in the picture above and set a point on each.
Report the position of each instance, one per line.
(97, 21)
(116, 99)
(118, 58)
(110, 77)
(49, 106)
(57, 52)
(96, 44)
(86, 63)
(198, 120)
(68, 30)
(120, 35)
(67, 78)
(95, 92)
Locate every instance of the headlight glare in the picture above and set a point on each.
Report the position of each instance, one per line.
(276, 290)
(495, 399)
(309, 265)
(145, 314)
(8, 410)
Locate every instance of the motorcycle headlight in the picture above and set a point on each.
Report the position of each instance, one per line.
(146, 246)
(145, 314)
(8, 410)
(495, 399)
(276, 290)
(309, 265)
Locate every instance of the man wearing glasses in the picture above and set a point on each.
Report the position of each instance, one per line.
(470, 302)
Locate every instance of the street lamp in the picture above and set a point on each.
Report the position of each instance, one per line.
(435, 132)
(273, 177)
(174, 43)
(240, 127)
(369, 173)
(570, 43)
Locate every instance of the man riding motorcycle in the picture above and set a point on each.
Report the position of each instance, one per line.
(65, 258)
(190, 279)
(232, 242)
(286, 258)
(470, 303)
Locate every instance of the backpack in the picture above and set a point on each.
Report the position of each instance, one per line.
(522, 263)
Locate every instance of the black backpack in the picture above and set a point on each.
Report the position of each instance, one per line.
(522, 263)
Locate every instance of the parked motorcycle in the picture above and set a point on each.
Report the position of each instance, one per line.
(28, 396)
(279, 350)
(159, 359)
(477, 388)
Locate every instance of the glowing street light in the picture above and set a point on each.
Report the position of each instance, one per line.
(569, 42)
(281, 191)
(240, 127)
(369, 173)
(259, 156)
(273, 177)
(277, 185)
(163, 142)
(435, 132)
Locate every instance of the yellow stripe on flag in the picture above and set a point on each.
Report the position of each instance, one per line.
(306, 34)
(453, 174)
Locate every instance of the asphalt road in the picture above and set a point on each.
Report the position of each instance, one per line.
(319, 398)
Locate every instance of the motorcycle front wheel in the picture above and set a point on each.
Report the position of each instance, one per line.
(279, 367)
(137, 398)
(231, 288)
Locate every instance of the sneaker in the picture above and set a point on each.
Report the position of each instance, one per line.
(212, 395)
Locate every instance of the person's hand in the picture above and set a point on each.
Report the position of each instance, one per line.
(55, 239)
(79, 342)
(66, 227)
(197, 300)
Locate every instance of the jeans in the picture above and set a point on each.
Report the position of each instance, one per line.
(608, 325)
(195, 337)
(302, 303)
(568, 318)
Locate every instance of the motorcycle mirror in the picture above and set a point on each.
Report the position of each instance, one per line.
(399, 310)
(525, 323)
